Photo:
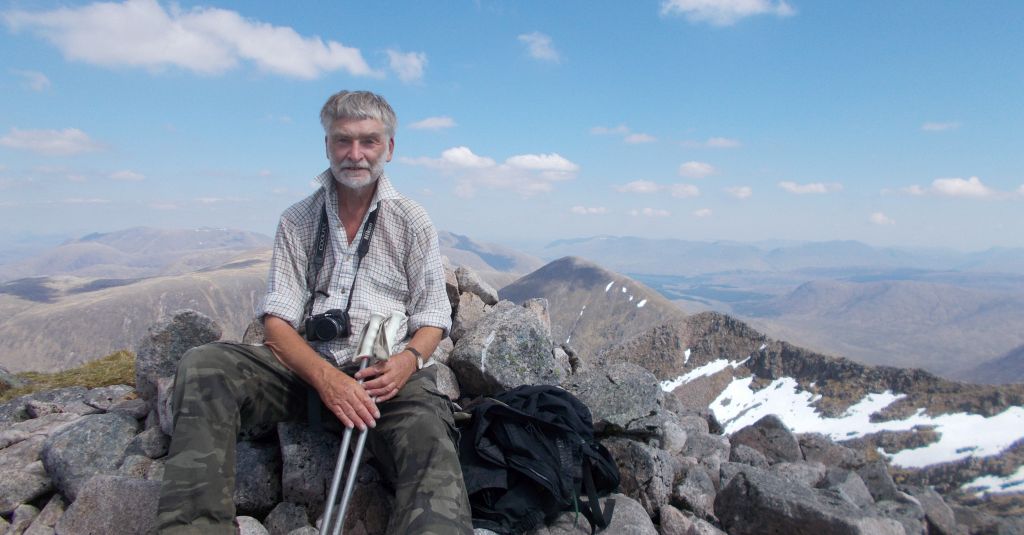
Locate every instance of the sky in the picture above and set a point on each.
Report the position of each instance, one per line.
(892, 123)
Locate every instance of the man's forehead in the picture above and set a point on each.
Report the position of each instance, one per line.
(349, 126)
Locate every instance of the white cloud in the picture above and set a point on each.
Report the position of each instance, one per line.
(67, 142)
(539, 46)
(696, 169)
(36, 81)
(713, 143)
(650, 212)
(725, 12)
(219, 200)
(80, 200)
(639, 186)
(634, 139)
(702, 213)
(958, 187)
(140, 33)
(527, 174)
(588, 210)
(740, 192)
(1020, 190)
(684, 191)
(814, 187)
(940, 127)
(127, 176)
(433, 123)
(604, 130)
(915, 190)
(408, 66)
(879, 218)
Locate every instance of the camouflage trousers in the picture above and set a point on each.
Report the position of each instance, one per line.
(222, 388)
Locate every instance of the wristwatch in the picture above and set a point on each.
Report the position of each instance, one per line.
(419, 357)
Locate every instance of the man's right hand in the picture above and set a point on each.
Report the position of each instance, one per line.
(346, 398)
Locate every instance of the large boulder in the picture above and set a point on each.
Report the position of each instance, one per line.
(619, 396)
(159, 352)
(770, 436)
(470, 282)
(646, 473)
(111, 504)
(505, 349)
(93, 445)
(257, 478)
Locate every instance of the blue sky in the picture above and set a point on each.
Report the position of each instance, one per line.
(893, 123)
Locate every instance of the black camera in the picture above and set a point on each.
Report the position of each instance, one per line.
(327, 326)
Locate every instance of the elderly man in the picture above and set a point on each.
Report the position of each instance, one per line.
(379, 253)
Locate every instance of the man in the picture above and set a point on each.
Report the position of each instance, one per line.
(222, 387)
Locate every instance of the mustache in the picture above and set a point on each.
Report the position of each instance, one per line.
(354, 165)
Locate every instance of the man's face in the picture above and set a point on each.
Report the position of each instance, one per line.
(358, 150)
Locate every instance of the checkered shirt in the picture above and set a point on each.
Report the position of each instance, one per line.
(401, 271)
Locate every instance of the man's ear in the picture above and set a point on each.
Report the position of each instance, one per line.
(327, 148)
(391, 149)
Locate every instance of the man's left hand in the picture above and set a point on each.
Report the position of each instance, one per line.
(384, 379)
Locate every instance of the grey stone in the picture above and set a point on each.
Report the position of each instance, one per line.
(728, 470)
(8, 380)
(470, 311)
(909, 514)
(285, 518)
(696, 491)
(711, 450)
(248, 525)
(673, 437)
(14, 411)
(137, 466)
(4, 525)
(566, 523)
(164, 411)
(646, 473)
(12, 436)
(809, 474)
(539, 306)
(940, 517)
(756, 502)
(21, 454)
(152, 443)
(470, 282)
(444, 351)
(451, 284)
(742, 453)
(305, 530)
(878, 480)
(692, 423)
(447, 382)
(505, 349)
(849, 485)
(770, 436)
(630, 518)
(563, 361)
(47, 519)
(105, 397)
(676, 522)
(257, 478)
(371, 504)
(818, 447)
(161, 349)
(18, 487)
(254, 333)
(619, 396)
(112, 504)
(22, 518)
(137, 408)
(307, 464)
(92, 445)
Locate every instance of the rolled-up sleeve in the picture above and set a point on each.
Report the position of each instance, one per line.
(428, 302)
(286, 283)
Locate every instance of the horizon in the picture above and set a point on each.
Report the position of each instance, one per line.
(722, 121)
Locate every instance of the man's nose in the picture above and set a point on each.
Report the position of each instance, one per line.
(355, 152)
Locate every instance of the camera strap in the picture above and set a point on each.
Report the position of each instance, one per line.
(320, 251)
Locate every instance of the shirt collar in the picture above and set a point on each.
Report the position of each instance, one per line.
(384, 188)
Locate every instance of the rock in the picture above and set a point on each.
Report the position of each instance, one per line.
(808, 474)
(566, 523)
(876, 476)
(95, 444)
(940, 517)
(676, 522)
(371, 504)
(444, 350)
(539, 306)
(105, 397)
(742, 453)
(15, 411)
(19, 487)
(12, 436)
(285, 518)
(112, 504)
(447, 383)
(257, 478)
(22, 519)
(470, 282)
(152, 443)
(817, 447)
(47, 519)
(646, 472)
(849, 485)
(307, 465)
(451, 284)
(696, 491)
(909, 513)
(137, 466)
(470, 311)
(160, 350)
(305, 530)
(505, 349)
(248, 525)
(618, 395)
(673, 437)
(630, 518)
(137, 408)
(9, 381)
(710, 450)
(164, 412)
(254, 333)
(770, 436)
(21, 453)
(756, 502)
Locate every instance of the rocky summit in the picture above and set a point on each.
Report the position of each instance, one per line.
(716, 429)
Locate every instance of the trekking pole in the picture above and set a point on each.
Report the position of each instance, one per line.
(364, 352)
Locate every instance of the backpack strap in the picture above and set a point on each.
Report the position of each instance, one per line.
(592, 508)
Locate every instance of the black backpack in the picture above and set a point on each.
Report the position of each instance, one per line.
(529, 454)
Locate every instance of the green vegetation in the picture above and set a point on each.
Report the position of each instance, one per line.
(114, 369)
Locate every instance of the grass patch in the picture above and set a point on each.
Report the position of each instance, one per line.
(114, 369)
